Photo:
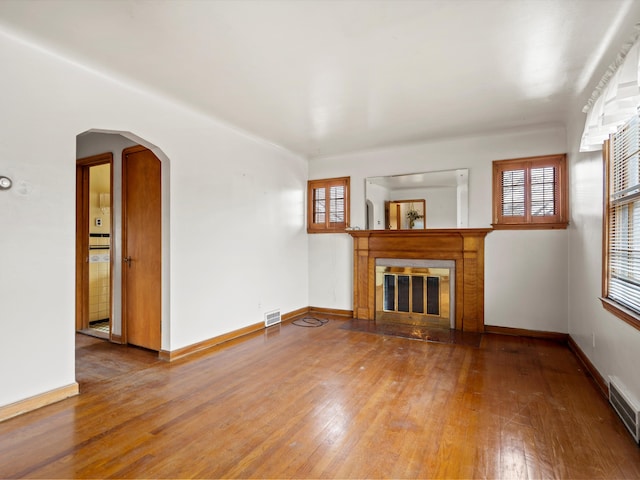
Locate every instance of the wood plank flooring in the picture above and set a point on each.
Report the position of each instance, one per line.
(326, 402)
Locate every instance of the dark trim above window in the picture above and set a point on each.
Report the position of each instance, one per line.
(328, 205)
(530, 193)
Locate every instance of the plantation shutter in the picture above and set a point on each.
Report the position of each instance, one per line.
(513, 193)
(319, 205)
(624, 217)
(336, 211)
(530, 192)
(328, 205)
(543, 191)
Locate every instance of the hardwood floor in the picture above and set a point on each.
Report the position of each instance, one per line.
(326, 403)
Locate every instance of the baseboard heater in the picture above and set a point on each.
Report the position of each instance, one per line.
(625, 406)
(271, 318)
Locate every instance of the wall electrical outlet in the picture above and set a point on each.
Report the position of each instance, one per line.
(98, 222)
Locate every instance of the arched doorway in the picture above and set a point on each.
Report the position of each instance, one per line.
(97, 142)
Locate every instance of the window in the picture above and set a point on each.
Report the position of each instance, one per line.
(328, 205)
(530, 193)
(621, 250)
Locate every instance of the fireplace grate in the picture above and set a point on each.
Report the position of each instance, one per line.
(411, 294)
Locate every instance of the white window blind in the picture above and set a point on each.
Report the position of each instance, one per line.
(624, 216)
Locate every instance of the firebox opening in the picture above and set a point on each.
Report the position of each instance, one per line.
(415, 292)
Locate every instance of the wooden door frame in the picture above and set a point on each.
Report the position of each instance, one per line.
(82, 236)
(387, 209)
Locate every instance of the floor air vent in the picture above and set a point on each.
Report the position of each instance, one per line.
(625, 406)
(271, 318)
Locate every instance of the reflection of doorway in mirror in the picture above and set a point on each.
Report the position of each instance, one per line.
(405, 214)
(445, 191)
(371, 223)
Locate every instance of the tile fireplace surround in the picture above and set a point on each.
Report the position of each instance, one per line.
(465, 246)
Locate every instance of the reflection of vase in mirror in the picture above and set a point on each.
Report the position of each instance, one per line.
(405, 214)
(444, 193)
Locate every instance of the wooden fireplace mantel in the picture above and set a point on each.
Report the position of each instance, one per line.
(465, 246)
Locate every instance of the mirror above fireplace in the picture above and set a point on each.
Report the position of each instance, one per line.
(445, 195)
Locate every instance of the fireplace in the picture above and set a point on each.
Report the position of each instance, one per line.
(415, 292)
(462, 249)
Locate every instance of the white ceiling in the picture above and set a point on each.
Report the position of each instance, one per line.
(325, 77)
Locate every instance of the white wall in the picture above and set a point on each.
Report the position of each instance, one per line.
(237, 245)
(535, 260)
(611, 345)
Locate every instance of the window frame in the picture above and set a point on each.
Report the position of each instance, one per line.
(327, 226)
(561, 196)
(617, 309)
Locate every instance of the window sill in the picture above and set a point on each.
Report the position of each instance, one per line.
(623, 313)
(530, 226)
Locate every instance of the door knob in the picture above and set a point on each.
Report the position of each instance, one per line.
(127, 260)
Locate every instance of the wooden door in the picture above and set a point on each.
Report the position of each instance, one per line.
(387, 215)
(392, 216)
(141, 229)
